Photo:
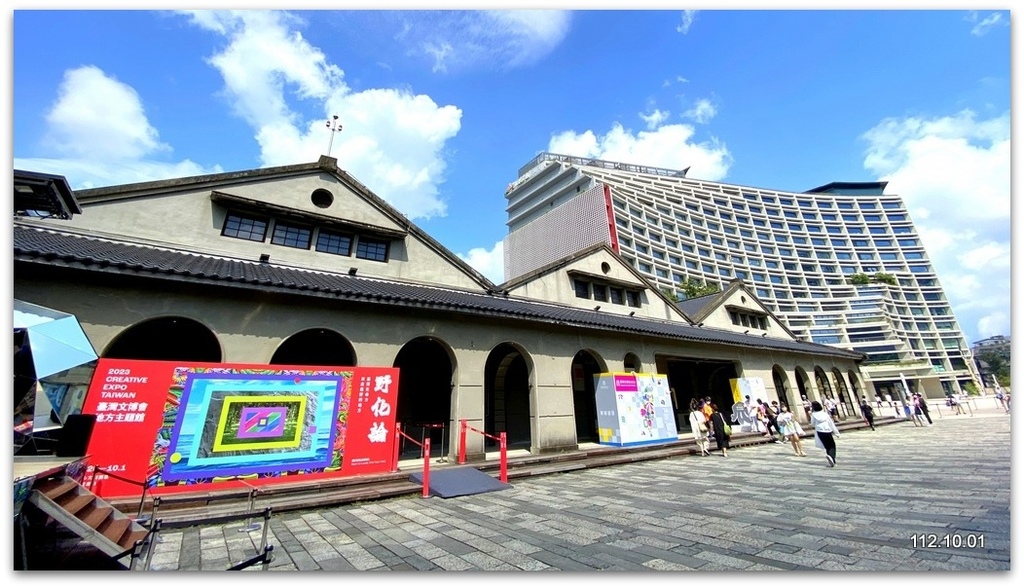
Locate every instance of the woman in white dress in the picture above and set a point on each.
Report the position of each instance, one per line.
(790, 429)
(699, 426)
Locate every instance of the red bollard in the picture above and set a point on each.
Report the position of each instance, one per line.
(504, 459)
(462, 441)
(426, 467)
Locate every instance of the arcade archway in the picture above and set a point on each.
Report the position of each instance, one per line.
(425, 384)
(315, 347)
(585, 365)
(507, 385)
(170, 338)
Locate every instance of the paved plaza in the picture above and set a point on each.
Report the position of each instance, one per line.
(901, 498)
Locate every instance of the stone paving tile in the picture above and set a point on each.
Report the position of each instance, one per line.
(760, 510)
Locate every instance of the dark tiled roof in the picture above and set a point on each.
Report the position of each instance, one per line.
(55, 248)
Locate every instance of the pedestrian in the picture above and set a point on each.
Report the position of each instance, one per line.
(868, 412)
(767, 416)
(888, 402)
(1001, 398)
(699, 427)
(721, 429)
(878, 401)
(922, 406)
(807, 407)
(832, 408)
(706, 409)
(825, 432)
(790, 429)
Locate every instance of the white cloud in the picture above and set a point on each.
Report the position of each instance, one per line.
(688, 17)
(981, 28)
(456, 41)
(655, 118)
(98, 127)
(491, 263)
(953, 173)
(701, 112)
(668, 146)
(391, 140)
(91, 106)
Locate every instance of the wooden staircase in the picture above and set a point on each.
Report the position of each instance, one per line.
(88, 516)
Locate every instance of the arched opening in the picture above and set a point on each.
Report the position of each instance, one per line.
(631, 363)
(171, 338)
(846, 401)
(855, 384)
(803, 385)
(315, 347)
(584, 403)
(823, 385)
(425, 383)
(782, 388)
(697, 378)
(507, 396)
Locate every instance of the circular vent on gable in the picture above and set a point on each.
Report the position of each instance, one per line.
(321, 198)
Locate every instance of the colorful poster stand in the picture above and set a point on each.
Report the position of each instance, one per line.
(634, 409)
(185, 426)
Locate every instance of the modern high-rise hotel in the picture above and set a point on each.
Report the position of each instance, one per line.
(840, 265)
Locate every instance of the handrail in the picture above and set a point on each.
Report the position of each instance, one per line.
(144, 485)
(425, 448)
(502, 444)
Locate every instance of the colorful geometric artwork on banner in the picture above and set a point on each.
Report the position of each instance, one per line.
(245, 424)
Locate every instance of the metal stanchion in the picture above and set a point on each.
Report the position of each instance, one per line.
(152, 541)
(249, 525)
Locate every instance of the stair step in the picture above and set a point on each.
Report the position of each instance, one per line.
(75, 503)
(114, 528)
(54, 488)
(96, 515)
(134, 534)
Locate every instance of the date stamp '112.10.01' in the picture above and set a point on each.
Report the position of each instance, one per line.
(947, 541)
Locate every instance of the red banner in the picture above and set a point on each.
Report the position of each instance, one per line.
(182, 426)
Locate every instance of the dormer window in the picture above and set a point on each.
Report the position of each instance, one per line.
(290, 235)
(372, 249)
(242, 226)
(332, 242)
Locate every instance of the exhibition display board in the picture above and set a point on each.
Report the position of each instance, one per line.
(186, 426)
(634, 409)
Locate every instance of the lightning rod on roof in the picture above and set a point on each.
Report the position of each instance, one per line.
(335, 127)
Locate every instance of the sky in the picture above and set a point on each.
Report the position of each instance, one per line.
(438, 109)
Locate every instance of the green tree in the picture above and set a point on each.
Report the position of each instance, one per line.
(693, 288)
(998, 364)
(859, 279)
(884, 278)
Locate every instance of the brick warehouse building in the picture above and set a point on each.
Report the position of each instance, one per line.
(302, 264)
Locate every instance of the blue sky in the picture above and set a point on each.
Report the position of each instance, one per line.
(439, 108)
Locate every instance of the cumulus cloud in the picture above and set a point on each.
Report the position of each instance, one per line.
(489, 262)
(953, 173)
(391, 139)
(687, 21)
(655, 118)
(701, 112)
(668, 146)
(98, 127)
